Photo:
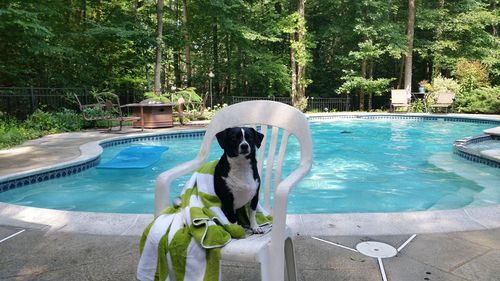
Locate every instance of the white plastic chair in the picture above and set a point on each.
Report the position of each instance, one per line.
(275, 248)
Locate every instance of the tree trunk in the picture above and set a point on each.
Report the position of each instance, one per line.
(436, 64)
(98, 11)
(84, 11)
(159, 45)
(187, 47)
(298, 67)
(301, 65)
(409, 49)
(361, 92)
(293, 70)
(494, 28)
(238, 70)
(177, 69)
(228, 65)
(401, 72)
(215, 48)
(177, 53)
(370, 94)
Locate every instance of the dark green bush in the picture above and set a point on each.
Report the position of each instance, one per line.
(65, 120)
(12, 133)
(481, 100)
(471, 75)
(40, 123)
(68, 120)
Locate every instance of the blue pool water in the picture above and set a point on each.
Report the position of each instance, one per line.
(359, 166)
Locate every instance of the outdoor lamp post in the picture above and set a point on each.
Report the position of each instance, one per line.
(211, 75)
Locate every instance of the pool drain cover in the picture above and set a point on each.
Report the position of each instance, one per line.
(376, 249)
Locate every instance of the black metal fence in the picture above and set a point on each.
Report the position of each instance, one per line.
(313, 104)
(23, 101)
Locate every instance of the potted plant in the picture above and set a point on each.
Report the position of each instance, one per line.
(424, 86)
(159, 107)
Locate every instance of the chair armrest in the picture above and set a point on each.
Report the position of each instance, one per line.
(281, 200)
(166, 178)
(279, 210)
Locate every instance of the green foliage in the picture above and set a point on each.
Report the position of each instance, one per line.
(417, 106)
(158, 98)
(68, 120)
(38, 124)
(50, 123)
(471, 75)
(301, 104)
(189, 95)
(441, 83)
(481, 100)
(94, 111)
(42, 121)
(354, 83)
(246, 44)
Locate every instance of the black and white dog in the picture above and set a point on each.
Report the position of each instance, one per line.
(236, 178)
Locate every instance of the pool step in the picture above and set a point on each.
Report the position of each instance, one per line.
(484, 176)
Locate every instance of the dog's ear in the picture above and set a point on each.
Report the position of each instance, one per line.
(221, 138)
(258, 137)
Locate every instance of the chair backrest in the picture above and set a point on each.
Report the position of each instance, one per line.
(445, 98)
(270, 116)
(399, 97)
(93, 111)
(111, 103)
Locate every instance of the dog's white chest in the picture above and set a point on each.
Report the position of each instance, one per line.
(241, 182)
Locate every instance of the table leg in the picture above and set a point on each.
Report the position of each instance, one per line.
(142, 118)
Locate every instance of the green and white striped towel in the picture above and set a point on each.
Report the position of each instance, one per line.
(184, 242)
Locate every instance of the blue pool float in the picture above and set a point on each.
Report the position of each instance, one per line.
(135, 157)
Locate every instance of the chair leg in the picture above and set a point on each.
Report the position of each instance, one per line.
(265, 269)
(290, 264)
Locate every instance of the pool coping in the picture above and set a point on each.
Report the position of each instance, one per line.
(466, 219)
(477, 218)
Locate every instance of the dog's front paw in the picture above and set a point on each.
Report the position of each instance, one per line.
(258, 230)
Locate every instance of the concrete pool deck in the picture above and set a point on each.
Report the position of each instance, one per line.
(57, 245)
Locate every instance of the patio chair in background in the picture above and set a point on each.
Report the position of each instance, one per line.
(94, 111)
(444, 100)
(399, 98)
(272, 250)
(107, 108)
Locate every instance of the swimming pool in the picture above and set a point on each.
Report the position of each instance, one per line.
(359, 166)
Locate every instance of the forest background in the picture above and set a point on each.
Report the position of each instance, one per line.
(266, 48)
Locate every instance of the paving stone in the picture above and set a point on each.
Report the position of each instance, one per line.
(329, 275)
(442, 251)
(485, 267)
(490, 238)
(41, 255)
(404, 268)
(352, 241)
(60, 256)
(6, 231)
(312, 254)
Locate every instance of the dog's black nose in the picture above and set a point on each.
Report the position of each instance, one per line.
(244, 147)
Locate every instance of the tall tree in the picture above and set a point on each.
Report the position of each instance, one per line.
(159, 45)
(298, 57)
(187, 43)
(409, 50)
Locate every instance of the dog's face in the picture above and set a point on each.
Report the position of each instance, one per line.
(239, 141)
